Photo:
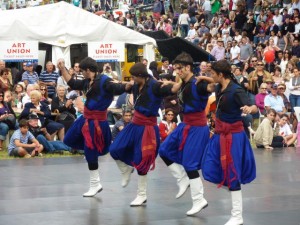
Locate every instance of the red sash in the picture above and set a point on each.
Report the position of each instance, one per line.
(192, 119)
(149, 144)
(225, 130)
(98, 135)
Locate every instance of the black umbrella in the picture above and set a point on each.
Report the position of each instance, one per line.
(174, 46)
(157, 35)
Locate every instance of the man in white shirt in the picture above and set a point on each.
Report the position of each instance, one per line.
(285, 131)
(235, 53)
(278, 19)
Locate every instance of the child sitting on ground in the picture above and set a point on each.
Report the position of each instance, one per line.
(18, 145)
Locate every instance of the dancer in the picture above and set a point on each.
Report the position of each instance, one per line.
(137, 144)
(183, 149)
(91, 131)
(228, 158)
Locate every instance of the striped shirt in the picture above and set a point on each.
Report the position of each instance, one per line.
(31, 78)
(46, 77)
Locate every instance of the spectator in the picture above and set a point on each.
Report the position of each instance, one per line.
(107, 70)
(49, 78)
(7, 119)
(44, 114)
(245, 50)
(77, 73)
(157, 7)
(260, 98)
(296, 49)
(18, 76)
(294, 86)
(153, 67)
(44, 91)
(286, 57)
(264, 135)
(30, 76)
(43, 137)
(281, 92)
(285, 131)
(219, 51)
(235, 54)
(19, 143)
(4, 81)
(122, 123)
(65, 108)
(29, 89)
(257, 77)
(183, 22)
(167, 125)
(274, 101)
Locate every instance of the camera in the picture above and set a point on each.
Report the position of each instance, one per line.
(107, 68)
(73, 97)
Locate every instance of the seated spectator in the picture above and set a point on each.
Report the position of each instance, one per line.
(122, 123)
(4, 80)
(43, 137)
(79, 104)
(8, 97)
(44, 91)
(274, 101)
(29, 89)
(65, 107)
(257, 77)
(167, 125)
(281, 92)
(285, 131)
(30, 76)
(44, 114)
(7, 119)
(19, 92)
(19, 143)
(264, 135)
(260, 98)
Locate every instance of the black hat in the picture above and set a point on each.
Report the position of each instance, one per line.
(139, 70)
(33, 116)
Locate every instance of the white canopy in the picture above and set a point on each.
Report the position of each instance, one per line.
(62, 24)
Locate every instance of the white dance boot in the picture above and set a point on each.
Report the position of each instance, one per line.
(95, 185)
(141, 197)
(126, 172)
(199, 201)
(237, 209)
(183, 181)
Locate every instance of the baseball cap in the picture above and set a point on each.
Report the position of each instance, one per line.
(33, 116)
(29, 64)
(274, 86)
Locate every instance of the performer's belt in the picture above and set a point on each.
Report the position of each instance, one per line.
(149, 144)
(192, 119)
(225, 130)
(97, 116)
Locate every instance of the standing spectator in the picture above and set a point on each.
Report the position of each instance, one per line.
(245, 50)
(107, 70)
(166, 67)
(153, 67)
(207, 12)
(49, 78)
(30, 76)
(183, 22)
(77, 73)
(157, 7)
(294, 86)
(167, 125)
(235, 54)
(19, 146)
(219, 51)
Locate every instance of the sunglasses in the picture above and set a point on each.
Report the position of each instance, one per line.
(43, 89)
(281, 88)
(263, 88)
(260, 64)
(1, 95)
(254, 61)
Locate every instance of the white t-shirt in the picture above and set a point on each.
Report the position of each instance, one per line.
(235, 51)
(285, 130)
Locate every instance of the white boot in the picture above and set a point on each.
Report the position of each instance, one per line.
(141, 193)
(95, 185)
(126, 172)
(237, 209)
(183, 181)
(199, 201)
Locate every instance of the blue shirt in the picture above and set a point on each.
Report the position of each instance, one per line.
(17, 135)
(275, 103)
(31, 78)
(46, 77)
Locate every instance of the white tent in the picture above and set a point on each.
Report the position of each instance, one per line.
(62, 24)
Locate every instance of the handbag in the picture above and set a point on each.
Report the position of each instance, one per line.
(10, 121)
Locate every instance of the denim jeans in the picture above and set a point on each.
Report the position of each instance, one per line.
(3, 130)
(51, 146)
(295, 101)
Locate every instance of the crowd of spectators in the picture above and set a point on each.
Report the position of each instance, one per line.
(260, 39)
